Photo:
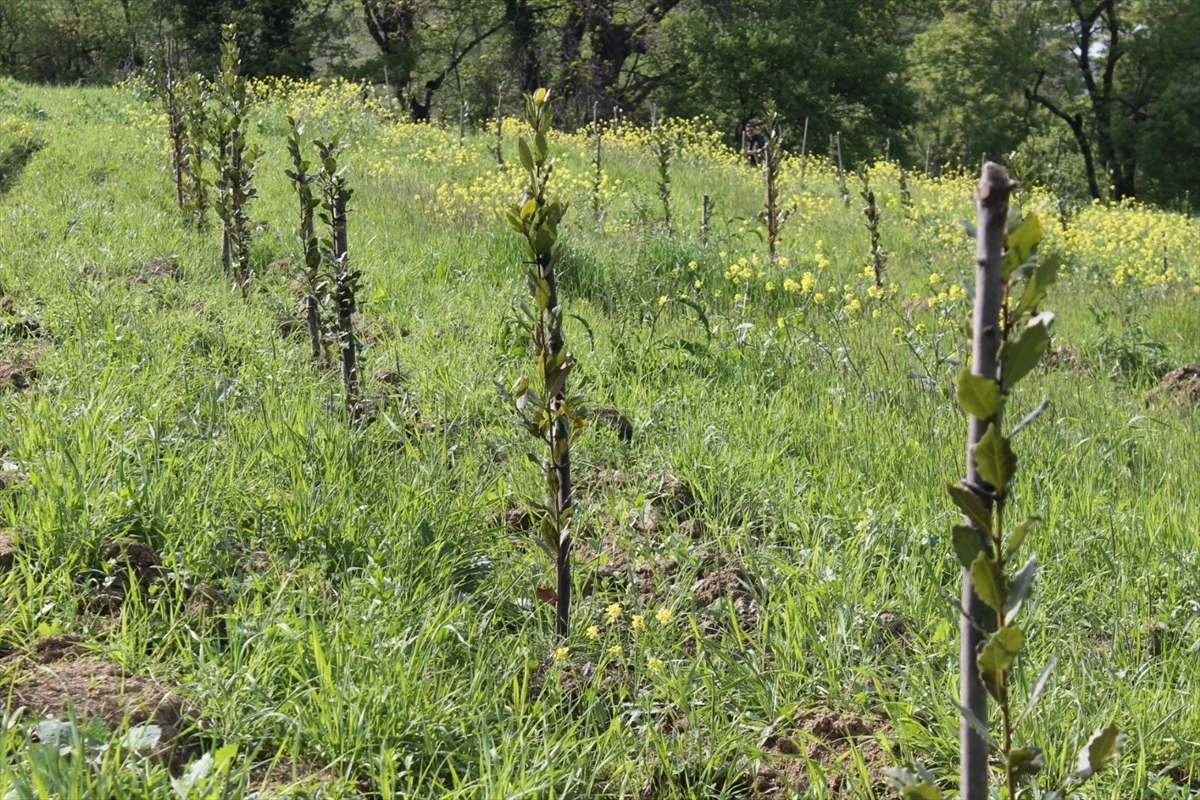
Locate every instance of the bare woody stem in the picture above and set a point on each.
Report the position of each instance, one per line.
(991, 209)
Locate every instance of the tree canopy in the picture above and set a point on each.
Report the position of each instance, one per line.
(1109, 86)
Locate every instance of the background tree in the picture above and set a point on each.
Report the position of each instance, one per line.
(1119, 74)
(837, 63)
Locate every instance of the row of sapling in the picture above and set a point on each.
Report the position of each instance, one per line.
(183, 101)
(211, 121)
(1011, 335)
(1010, 338)
(214, 119)
(545, 407)
(328, 280)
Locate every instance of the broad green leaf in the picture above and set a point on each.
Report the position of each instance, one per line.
(1025, 761)
(988, 582)
(1018, 536)
(1019, 357)
(1018, 589)
(542, 294)
(996, 658)
(1045, 275)
(1039, 688)
(524, 154)
(142, 737)
(913, 785)
(528, 208)
(1102, 748)
(969, 503)
(978, 395)
(995, 459)
(1020, 244)
(968, 543)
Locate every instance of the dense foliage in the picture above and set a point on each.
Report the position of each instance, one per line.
(941, 81)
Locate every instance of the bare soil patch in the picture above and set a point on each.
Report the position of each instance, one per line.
(128, 564)
(17, 374)
(8, 551)
(60, 676)
(1181, 385)
(829, 739)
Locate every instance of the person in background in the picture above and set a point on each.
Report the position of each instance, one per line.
(754, 145)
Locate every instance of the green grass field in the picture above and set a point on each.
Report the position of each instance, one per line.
(776, 533)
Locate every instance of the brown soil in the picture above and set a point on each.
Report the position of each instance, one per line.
(1181, 385)
(19, 374)
(614, 420)
(252, 561)
(8, 551)
(515, 519)
(1063, 357)
(60, 675)
(129, 563)
(161, 268)
(289, 326)
(828, 739)
(206, 600)
(22, 328)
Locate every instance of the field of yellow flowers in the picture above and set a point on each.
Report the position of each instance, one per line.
(213, 587)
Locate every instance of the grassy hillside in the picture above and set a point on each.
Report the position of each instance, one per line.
(763, 568)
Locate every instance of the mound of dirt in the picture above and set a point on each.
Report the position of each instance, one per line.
(1181, 385)
(8, 551)
(128, 563)
(19, 374)
(830, 740)
(60, 676)
(615, 421)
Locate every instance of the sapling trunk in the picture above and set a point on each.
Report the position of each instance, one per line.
(928, 155)
(1011, 335)
(197, 122)
(705, 209)
(597, 169)
(176, 121)
(547, 412)
(837, 138)
(871, 212)
(344, 290)
(991, 213)
(500, 125)
(772, 151)
(309, 243)
(804, 152)
(234, 162)
(662, 151)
